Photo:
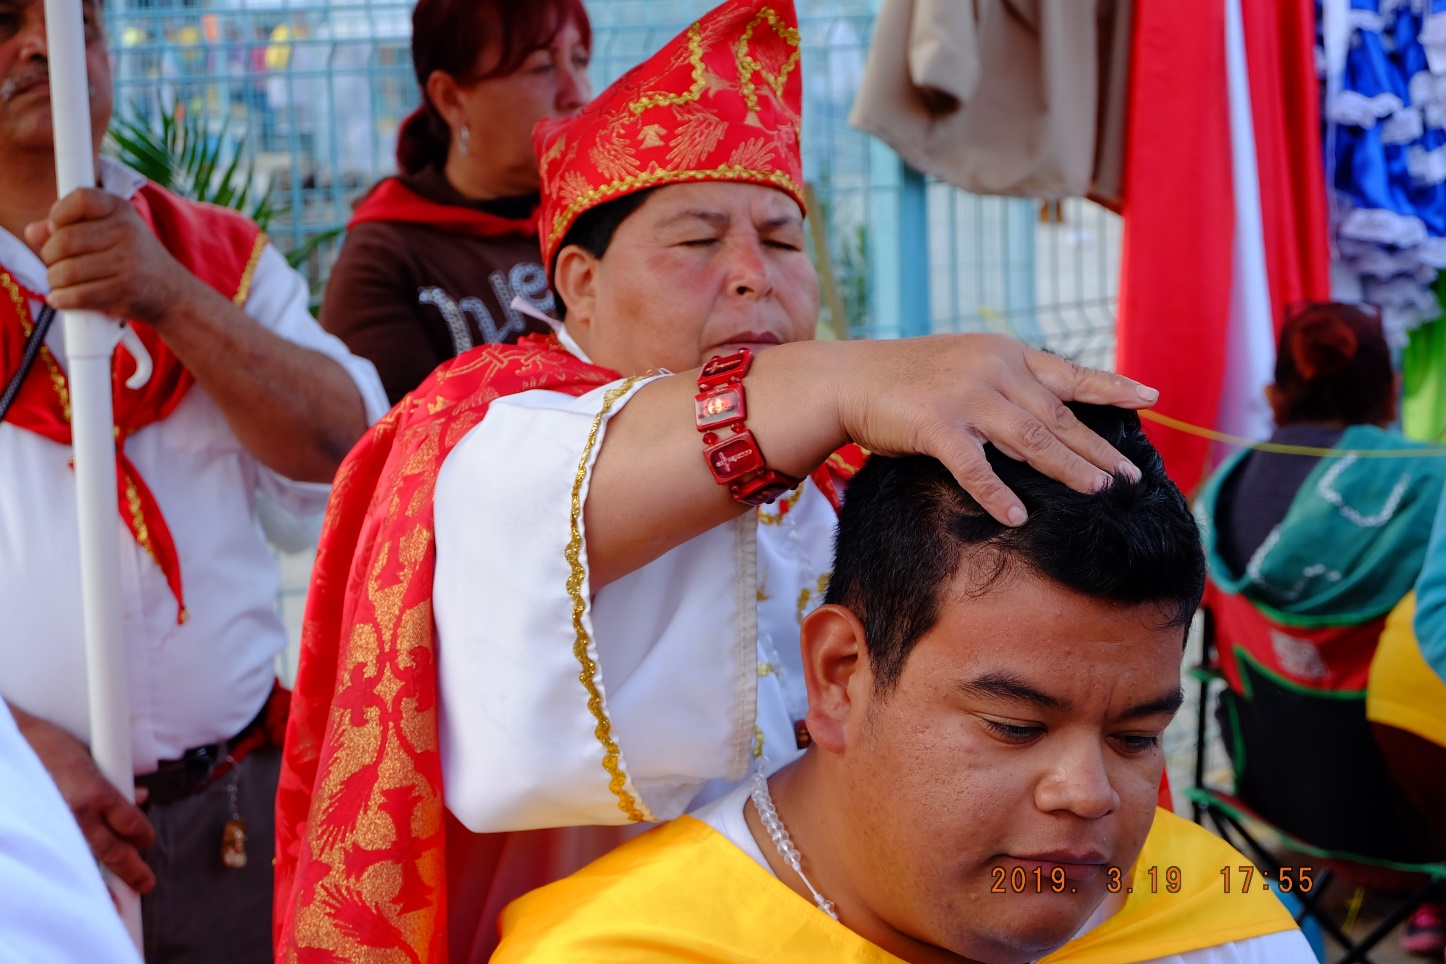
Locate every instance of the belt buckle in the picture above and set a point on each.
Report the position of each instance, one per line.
(198, 764)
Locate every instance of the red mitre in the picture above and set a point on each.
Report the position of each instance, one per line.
(722, 101)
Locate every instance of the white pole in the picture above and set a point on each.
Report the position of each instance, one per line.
(90, 340)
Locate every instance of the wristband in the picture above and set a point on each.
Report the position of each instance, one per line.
(735, 460)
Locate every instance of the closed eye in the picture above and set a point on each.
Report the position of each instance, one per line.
(699, 242)
(1014, 733)
(1133, 743)
(783, 245)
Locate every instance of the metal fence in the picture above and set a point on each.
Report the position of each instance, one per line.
(313, 93)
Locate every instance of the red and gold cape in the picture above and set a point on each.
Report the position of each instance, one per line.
(362, 830)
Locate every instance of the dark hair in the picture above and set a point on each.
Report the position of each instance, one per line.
(450, 35)
(594, 229)
(1334, 365)
(906, 526)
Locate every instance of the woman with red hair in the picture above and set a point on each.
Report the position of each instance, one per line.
(436, 256)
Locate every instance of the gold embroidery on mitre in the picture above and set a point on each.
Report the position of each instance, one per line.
(723, 172)
(614, 157)
(695, 57)
(747, 66)
(553, 152)
(611, 754)
(697, 135)
(652, 135)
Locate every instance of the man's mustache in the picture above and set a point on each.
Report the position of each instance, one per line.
(38, 72)
(23, 79)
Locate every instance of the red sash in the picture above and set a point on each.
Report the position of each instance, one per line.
(391, 200)
(360, 820)
(218, 246)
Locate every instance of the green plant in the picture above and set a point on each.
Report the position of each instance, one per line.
(181, 155)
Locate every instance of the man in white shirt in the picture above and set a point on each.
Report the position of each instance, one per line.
(986, 706)
(249, 400)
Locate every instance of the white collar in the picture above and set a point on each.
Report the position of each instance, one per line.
(570, 343)
(559, 328)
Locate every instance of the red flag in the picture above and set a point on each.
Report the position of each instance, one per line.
(1181, 215)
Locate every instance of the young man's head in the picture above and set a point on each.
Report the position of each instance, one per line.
(984, 698)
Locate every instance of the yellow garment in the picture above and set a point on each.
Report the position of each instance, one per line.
(683, 892)
(1403, 690)
(1201, 915)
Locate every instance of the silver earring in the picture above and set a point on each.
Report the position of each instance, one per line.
(465, 136)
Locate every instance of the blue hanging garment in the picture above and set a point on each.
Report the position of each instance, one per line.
(1386, 152)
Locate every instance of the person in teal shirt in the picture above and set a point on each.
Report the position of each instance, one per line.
(1313, 557)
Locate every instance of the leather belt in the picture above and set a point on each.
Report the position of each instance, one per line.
(201, 766)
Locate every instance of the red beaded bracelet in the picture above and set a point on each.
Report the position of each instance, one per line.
(735, 461)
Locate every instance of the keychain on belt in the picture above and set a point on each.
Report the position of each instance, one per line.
(233, 836)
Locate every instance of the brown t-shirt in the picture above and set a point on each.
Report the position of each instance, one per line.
(408, 297)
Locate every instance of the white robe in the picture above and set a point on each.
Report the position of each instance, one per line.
(689, 667)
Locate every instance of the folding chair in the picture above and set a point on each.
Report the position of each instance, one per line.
(1309, 780)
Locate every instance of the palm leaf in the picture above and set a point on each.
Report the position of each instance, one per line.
(143, 152)
(180, 154)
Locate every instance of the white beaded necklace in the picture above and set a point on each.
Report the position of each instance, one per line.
(778, 833)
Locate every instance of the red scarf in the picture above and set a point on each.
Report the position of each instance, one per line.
(360, 821)
(220, 247)
(391, 200)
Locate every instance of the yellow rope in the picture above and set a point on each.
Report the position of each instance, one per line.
(1283, 449)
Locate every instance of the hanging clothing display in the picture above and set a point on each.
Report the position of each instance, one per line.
(1012, 97)
(1385, 149)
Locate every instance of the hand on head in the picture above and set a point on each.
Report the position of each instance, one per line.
(949, 395)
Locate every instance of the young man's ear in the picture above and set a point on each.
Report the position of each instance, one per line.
(575, 281)
(836, 672)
